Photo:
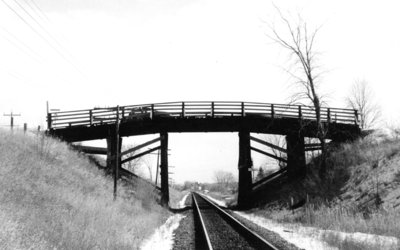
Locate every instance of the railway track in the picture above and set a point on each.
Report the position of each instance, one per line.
(217, 229)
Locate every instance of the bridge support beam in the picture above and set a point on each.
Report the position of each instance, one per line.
(164, 169)
(245, 164)
(296, 159)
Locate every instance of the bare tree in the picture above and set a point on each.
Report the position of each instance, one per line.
(279, 141)
(362, 98)
(299, 41)
(394, 129)
(260, 174)
(224, 178)
(134, 164)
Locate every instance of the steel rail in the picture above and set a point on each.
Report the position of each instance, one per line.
(201, 221)
(255, 239)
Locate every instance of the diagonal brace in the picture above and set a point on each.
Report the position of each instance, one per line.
(140, 146)
(268, 144)
(90, 149)
(270, 177)
(268, 154)
(141, 154)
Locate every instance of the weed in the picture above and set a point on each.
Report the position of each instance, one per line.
(397, 177)
(52, 197)
(353, 197)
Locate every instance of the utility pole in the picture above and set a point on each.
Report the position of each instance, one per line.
(11, 115)
(117, 154)
(158, 165)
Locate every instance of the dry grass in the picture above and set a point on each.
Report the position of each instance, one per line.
(53, 198)
(340, 219)
(360, 194)
(336, 219)
(175, 196)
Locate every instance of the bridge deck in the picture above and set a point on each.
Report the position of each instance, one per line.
(90, 124)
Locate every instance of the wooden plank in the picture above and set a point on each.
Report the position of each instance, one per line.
(312, 149)
(90, 149)
(269, 177)
(268, 144)
(70, 122)
(56, 118)
(71, 111)
(141, 154)
(268, 154)
(91, 116)
(140, 146)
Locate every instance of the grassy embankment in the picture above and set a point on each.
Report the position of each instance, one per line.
(360, 194)
(53, 198)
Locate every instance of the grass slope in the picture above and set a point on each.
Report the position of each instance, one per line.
(53, 198)
(361, 192)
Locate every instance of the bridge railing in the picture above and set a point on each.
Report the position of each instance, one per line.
(98, 116)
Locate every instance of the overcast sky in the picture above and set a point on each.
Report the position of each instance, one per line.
(78, 54)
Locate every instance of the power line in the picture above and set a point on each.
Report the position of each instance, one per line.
(40, 10)
(41, 36)
(40, 25)
(37, 11)
(21, 46)
(50, 35)
(48, 20)
(31, 27)
(15, 75)
(42, 15)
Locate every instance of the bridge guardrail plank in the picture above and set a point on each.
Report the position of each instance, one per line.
(201, 109)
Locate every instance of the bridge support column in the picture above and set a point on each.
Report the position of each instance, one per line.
(245, 164)
(296, 159)
(112, 151)
(164, 169)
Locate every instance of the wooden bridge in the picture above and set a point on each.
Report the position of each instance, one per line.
(293, 121)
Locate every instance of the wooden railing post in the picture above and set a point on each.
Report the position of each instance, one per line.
(90, 117)
(152, 111)
(243, 111)
(329, 115)
(212, 109)
(49, 121)
(356, 117)
(272, 111)
(117, 153)
(25, 128)
(123, 112)
(183, 109)
(300, 113)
